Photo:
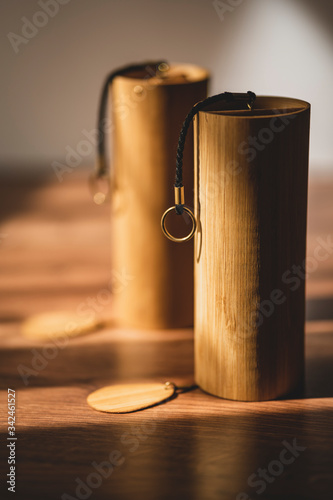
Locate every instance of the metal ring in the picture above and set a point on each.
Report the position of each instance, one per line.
(169, 235)
(99, 196)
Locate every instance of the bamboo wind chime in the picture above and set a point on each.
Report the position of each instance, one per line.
(148, 103)
(249, 222)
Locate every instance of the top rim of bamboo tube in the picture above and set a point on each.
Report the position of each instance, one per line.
(264, 106)
(178, 73)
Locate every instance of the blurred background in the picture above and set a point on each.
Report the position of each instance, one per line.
(53, 69)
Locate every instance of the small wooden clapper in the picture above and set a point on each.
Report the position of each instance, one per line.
(125, 398)
(57, 324)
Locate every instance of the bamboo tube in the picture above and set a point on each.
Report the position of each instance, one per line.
(157, 291)
(251, 170)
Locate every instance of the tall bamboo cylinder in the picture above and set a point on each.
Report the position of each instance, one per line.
(155, 288)
(251, 171)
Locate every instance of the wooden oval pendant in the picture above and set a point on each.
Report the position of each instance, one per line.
(125, 398)
(57, 324)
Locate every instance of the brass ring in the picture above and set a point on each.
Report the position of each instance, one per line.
(169, 235)
(99, 196)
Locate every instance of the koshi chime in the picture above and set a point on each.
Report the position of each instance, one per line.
(148, 105)
(250, 199)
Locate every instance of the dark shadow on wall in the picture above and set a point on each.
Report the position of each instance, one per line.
(321, 11)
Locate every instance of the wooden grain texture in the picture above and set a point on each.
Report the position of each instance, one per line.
(56, 252)
(251, 205)
(125, 398)
(148, 114)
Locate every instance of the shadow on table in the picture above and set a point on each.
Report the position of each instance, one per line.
(18, 185)
(84, 360)
(162, 456)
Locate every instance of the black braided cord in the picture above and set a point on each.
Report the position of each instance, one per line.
(225, 96)
(151, 69)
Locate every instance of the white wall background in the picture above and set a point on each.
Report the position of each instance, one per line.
(49, 90)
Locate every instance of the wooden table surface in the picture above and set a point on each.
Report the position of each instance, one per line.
(55, 255)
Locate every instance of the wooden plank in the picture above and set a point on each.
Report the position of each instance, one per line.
(194, 447)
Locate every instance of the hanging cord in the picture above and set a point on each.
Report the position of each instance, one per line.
(156, 69)
(181, 389)
(179, 206)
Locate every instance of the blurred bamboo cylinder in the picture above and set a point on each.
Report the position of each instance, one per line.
(251, 170)
(155, 287)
